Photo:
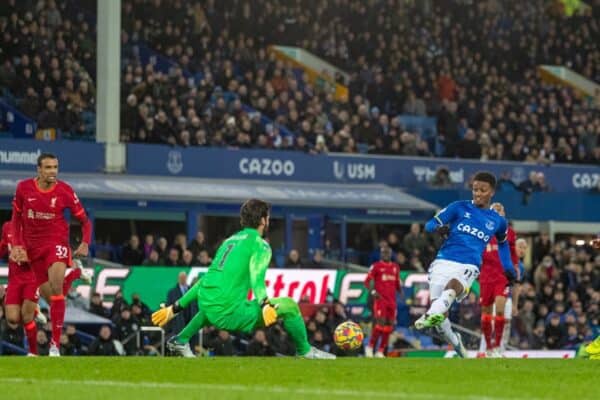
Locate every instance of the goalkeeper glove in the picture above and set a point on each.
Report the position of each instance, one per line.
(269, 312)
(165, 314)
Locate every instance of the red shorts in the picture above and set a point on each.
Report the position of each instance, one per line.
(21, 286)
(384, 310)
(41, 259)
(489, 292)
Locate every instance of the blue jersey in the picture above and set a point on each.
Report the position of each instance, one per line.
(471, 228)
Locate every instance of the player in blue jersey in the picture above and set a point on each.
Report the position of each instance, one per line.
(467, 226)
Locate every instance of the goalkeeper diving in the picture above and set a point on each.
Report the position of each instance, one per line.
(239, 265)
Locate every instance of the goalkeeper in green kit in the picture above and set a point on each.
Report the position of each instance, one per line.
(240, 264)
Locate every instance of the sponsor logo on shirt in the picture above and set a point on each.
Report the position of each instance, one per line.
(479, 234)
(40, 215)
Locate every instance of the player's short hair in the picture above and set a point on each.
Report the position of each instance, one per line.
(44, 156)
(252, 211)
(484, 176)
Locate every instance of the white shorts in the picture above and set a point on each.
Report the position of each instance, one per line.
(443, 271)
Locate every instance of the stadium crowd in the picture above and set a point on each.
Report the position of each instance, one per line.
(470, 65)
(485, 94)
(48, 65)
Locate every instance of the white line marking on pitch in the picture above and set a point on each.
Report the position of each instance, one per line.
(255, 388)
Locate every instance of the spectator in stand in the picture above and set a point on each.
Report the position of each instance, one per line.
(316, 261)
(153, 260)
(162, 249)
(103, 345)
(148, 245)
(96, 306)
(222, 345)
(72, 343)
(126, 327)
(203, 259)
(414, 242)
(259, 345)
(133, 254)
(293, 260)
(173, 259)
(187, 259)
(43, 345)
(441, 179)
(197, 244)
(545, 272)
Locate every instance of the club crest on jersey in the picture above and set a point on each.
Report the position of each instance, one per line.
(490, 225)
(53, 202)
(467, 214)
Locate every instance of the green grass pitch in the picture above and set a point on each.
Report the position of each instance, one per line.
(114, 378)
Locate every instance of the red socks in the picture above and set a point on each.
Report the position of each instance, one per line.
(385, 337)
(31, 332)
(73, 275)
(57, 315)
(499, 329)
(486, 329)
(377, 331)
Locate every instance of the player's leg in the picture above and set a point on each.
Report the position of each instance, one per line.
(487, 318)
(293, 322)
(455, 279)
(499, 303)
(508, 310)
(28, 309)
(180, 343)
(387, 327)
(13, 315)
(56, 275)
(378, 324)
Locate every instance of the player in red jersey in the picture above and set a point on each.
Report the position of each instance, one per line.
(495, 290)
(21, 293)
(41, 235)
(386, 275)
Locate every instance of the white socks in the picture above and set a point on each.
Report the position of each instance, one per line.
(442, 304)
(445, 329)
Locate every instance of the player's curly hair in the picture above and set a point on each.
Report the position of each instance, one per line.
(484, 176)
(252, 211)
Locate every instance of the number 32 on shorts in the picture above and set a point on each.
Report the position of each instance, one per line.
(61, 251)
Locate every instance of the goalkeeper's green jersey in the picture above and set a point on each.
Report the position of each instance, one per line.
(240, 264)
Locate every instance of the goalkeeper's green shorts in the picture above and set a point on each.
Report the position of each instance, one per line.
(244, 317)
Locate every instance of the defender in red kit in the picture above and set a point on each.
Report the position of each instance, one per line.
(21, 297)
(495, 291)
(386, 275)
(41, 235)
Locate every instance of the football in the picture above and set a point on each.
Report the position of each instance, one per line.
(348, 335)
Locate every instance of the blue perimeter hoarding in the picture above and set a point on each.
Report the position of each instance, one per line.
(74, 156)
(217, 163)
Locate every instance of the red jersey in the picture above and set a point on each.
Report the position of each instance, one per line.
(17, 273)
(491, 267)
(387, 280)
(38, 214)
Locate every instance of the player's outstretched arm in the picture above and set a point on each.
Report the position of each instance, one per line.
(506, 260)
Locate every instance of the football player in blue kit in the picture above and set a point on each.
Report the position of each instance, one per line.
(467, 226)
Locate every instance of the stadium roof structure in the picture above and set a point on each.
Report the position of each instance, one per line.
(373, 197)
